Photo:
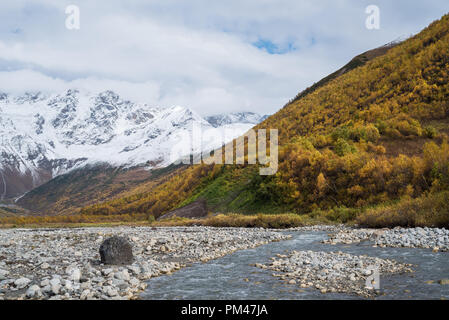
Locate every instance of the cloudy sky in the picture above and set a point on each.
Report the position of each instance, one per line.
(213, 56)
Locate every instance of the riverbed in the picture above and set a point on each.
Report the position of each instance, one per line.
(235, 276)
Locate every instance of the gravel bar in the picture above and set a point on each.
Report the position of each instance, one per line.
(332, 272)
(64, 264)
(430, 238)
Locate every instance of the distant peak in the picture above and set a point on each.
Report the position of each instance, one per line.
(235, 117)
(31, 97)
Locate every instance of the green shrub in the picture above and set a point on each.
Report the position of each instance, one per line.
(356, 133)
(369, 133)
(321, 141)
(381, 126)
(341, 133)
(430, 132)
(343, 147)
(151, 219)
(341, 214)
(268, 221)
(426, 211)
(403, 126)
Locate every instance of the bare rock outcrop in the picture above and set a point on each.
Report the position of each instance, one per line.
(197, 209)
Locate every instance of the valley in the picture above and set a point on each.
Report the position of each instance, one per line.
(360, 146)
(256, 151)
(357, 147)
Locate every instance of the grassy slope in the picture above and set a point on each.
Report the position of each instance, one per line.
(384, 87)
(67, 193)
(344, 96)
(231, 191)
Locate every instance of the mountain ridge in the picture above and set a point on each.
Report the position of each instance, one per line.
(44, 136)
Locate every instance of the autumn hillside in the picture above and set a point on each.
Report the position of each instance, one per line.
(352, 148)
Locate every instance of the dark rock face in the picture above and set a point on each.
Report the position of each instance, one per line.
(197, 209)
(116, 250)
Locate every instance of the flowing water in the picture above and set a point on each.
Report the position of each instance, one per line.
(233, 277)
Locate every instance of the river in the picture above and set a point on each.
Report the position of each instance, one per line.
(233, 277)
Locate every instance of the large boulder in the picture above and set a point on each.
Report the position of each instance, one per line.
(195, 210)
(117, 251)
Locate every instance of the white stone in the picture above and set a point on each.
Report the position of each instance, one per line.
(22, 283)
(34, 292)
(134, 269)
(68, 286)
(85, 294)
(122, 275)
(134, 282)
(45, 282)
(3, 274)
(45, 266)
(74, 274)
(46, 289)
(107, 271)
(55, 285)
(112, 292)
(85, 285)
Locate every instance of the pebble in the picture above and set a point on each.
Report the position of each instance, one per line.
(55, 285)
(122, 275)
(21, 283)
(3, 274)
(34, 291)
(45, 265)
(74, 274)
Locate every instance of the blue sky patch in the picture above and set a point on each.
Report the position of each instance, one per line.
(273, 48)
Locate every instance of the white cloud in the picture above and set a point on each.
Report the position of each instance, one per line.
(194, 53)
(16, 82)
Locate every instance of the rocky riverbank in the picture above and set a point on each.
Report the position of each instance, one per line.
(65, 263)
(430, 238)
(327, 228)
(332, 272)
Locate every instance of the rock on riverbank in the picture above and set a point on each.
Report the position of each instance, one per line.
(65, 263)
(433, 238)
(331, 271)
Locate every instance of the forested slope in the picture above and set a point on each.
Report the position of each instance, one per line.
(375, 135)
(339, 143)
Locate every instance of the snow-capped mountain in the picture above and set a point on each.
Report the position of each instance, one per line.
(43, 136)
(237, 117)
